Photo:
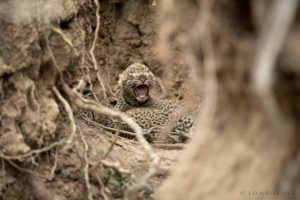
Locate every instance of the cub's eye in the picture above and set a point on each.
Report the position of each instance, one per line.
(150, 77)
(130, 77)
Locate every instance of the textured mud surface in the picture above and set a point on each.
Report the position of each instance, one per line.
(46, 48)
(33, 118)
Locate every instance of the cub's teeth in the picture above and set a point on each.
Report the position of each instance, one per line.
(141, 91)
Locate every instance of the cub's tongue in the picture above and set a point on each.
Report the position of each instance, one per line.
(141, 91)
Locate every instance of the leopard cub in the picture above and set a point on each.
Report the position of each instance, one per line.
(150, 113)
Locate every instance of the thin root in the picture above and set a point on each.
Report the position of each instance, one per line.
(86, 166)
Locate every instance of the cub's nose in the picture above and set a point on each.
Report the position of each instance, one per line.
(142, 79)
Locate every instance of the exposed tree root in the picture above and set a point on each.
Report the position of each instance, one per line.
(85, 161)
(86, 104)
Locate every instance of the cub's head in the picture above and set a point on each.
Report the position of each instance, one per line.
(136, 82)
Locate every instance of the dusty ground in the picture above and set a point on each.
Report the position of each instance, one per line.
(47, 47)
(32, 116)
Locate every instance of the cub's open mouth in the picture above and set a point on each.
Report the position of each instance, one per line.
(141, 92)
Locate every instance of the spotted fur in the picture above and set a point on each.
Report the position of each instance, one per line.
(153, 113)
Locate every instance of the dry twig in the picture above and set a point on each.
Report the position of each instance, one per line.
(65, 38)
(108, 128)
(112, 144)
(168, 146)
(96, 32)
(94, 45)
(87, 75)
(70, 114)
(103, 82)
(86, 165)
(54, 165)
(115, 166)
(32, 152)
